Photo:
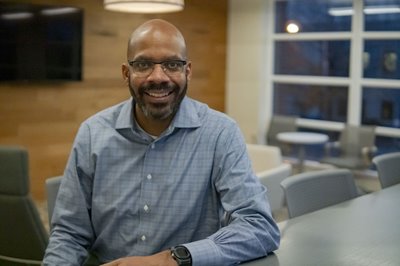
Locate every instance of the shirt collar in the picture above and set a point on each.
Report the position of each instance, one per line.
(186, 117)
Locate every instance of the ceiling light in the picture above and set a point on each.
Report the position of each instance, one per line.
(369, 10)
(58, 11)
(292, 27)
(16, 15)
(381, 9)
(340, 11)
(144, 6)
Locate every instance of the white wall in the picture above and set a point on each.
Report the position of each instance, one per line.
(247, 68)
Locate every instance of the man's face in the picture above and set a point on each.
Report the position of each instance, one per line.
(159, 92)
(158, 99)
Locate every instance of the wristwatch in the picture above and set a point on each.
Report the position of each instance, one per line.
(181, 255)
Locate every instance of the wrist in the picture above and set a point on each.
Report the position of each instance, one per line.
(181, 255)
(167, 259)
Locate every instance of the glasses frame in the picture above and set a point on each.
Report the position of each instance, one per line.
(161, 63)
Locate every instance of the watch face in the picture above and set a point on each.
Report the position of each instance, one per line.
(181, 252)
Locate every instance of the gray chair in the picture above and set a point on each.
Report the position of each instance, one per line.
(388, 167)
(23, 237)
(311, 191)
(354, 150)
(271, 170)
(278, 124)
(52, 186)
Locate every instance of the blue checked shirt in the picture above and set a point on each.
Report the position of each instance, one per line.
(126, 194)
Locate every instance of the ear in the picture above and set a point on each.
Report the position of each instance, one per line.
(189, 70)
(125, 72)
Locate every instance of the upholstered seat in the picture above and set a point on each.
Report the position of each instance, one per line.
(388, 167)
(23, 238)
(271, 170)
(311, 191)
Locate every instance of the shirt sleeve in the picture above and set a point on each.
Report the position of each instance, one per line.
(70, 215)
(250, 230)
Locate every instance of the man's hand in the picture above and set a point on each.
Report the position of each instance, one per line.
(162, 258)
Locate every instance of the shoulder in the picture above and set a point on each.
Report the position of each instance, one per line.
(110, 116)
(209, 116)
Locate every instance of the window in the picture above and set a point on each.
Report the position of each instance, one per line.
(316, 58)
(329, 53)
(311, 101)
(381, 107)
(312, 16)
(381, 59)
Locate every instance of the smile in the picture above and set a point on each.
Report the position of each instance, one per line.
(158, 94)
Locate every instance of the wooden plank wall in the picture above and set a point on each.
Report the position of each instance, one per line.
(44, 117)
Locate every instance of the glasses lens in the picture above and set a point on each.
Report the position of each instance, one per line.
(142, 68)
(173, 66)
(145, 68)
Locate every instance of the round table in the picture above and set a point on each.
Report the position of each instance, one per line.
(302, 138)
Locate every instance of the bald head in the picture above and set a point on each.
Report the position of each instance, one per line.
(156, 33)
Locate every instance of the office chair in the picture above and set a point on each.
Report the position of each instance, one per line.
(271, 170)
(310, 191)
(52, 186)
(278, 124)
(388, 167)
(23, 238)
(354, 149)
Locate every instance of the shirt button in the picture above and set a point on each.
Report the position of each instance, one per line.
(146, 208)
(143, 238)
(149, 177)
(153, 145)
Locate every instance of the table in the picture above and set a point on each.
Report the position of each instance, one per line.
(361, 231)
(302, 138)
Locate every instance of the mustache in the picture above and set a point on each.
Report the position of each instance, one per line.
(158, 87)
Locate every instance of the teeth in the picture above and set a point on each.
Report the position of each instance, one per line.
(158, 95)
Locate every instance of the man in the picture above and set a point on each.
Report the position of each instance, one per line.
(160, 179)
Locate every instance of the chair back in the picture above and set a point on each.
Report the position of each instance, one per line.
(353, 138)
(52, 186)
(271, 170)
(264, 157)
(311, 191)
(23, 238)
(388, 167)
(278, 124)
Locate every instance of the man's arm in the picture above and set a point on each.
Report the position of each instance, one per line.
(162, 258)
(71, 233)
(251, 231)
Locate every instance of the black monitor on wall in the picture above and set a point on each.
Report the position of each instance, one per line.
(39, 42)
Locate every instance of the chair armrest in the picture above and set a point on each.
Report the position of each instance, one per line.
(271, 179)
(368, 153)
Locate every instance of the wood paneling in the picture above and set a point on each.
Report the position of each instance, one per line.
(44, 117)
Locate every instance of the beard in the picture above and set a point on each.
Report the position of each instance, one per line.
(158, 111)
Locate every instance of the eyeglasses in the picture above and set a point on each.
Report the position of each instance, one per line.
(143, 68)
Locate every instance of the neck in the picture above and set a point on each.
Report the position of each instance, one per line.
(152, 126)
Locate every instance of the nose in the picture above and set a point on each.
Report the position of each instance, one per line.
(158, 74)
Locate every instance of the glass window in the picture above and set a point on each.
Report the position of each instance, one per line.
(381, 107)
(317, 58)
(311, 101)
(382, 15)
(387, 144)
(381, 59)
(313, 16)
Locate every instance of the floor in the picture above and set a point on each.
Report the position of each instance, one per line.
(367, 181)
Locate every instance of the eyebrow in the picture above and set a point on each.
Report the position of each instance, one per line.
(146, 58)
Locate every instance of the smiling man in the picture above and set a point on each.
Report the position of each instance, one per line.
(160, 179)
